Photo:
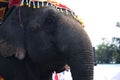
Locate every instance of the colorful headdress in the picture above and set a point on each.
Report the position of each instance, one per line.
(45, 3)
(3, 9)
(5, 1)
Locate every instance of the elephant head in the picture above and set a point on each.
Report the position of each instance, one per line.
(50, 37)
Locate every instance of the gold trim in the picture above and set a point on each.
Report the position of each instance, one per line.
(5, 1)
(57, 5)
(2, 12)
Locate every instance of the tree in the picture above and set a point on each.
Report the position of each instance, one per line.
(106, 53)
(109, 52)
(116, 41)
(100, 52)
(118, 24)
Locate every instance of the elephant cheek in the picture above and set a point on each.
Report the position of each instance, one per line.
(20, 53)
(6, 49)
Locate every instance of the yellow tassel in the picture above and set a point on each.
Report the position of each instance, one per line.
(66, 11)
(76, 17)
(47, 4)
(22, 3)
(38, 5)
(81, 21)
(51, 4)
(58, 9)
(72, 13)
(29, 5)
(27, 2)
(34, 5)
(55, 7)
(61, 10)
(42, 3)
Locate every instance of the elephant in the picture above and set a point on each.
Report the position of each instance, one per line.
(12, 69)
(42, 40)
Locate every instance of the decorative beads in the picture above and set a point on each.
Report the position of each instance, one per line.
(45, 3)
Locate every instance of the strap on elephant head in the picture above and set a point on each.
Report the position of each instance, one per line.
(3, 9)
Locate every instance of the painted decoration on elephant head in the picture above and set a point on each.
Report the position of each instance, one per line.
(14, 3)
(2, 13)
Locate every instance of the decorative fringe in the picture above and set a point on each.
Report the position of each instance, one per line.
(66, 11)
(29, 4)
(22, 3)
(81, 22)
(42, 3)
(38, 5)
(59, 8)
(47, 4)
(34, 5)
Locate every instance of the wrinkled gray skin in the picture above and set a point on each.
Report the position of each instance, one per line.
(50, 38)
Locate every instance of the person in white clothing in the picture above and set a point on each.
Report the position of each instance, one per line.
(64, 75)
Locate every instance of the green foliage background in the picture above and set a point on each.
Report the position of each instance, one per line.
(109, 52)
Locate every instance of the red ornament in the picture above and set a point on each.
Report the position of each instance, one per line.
(56, 76)
(14, 3)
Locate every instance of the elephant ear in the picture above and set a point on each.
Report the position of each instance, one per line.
(8, 50)
(12, 36)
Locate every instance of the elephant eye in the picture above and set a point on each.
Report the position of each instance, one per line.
(50, 20)
(50, 24)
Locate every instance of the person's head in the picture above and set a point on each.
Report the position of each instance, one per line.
(67, 68)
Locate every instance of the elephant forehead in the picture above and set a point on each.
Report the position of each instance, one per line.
(45, 3)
